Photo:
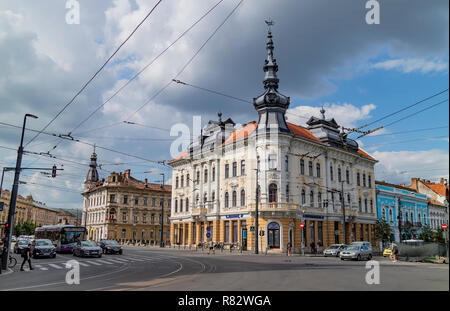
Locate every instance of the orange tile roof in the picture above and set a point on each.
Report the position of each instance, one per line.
(248, 129)
(434, 202)
(438, 188)
(241, 133)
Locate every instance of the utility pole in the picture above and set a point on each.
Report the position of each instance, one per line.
(343, 211)
(15, 190)
(256, 213)
(399, 220)
(161, 243)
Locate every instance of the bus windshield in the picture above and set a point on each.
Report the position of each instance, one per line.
(72, 236)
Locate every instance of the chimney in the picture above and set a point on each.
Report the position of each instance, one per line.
(146, 181)
(127, 173)
(442, 181)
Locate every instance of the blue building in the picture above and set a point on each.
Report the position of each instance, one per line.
(414, 209)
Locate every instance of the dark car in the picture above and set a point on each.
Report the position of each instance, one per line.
(20, 245)
(87, 248)
(111, 247)
(43, 248)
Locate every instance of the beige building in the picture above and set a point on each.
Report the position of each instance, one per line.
(309, 175)
(27, 210)
(64, 217)
(124, 208)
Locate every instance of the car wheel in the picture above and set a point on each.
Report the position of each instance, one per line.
(342, 258)
(100, 256)
(120, 252)
(358, 258)
(369, 257)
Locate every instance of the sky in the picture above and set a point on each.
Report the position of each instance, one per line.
(328, 56)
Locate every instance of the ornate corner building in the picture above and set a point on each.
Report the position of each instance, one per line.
(124, 208)
(313, 175)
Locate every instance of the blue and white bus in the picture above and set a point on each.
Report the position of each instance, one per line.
(64, 237)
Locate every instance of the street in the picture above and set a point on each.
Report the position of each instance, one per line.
(167, 269)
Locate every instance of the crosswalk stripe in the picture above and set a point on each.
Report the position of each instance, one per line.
(115, 261)
(94, 263)
(120, 259)
(41, 267)
(83, 264)
(104, 261)
(54, 266)
(136, 259)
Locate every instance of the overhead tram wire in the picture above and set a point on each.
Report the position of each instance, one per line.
(187, 64)
(406, 141)
(93, 77)
(409, 131)
(146, 67)
(226, 95)
(405, 108)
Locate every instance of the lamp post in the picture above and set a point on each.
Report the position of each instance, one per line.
(303, 230)
(161, 243)
(256, 213)
(15, 190)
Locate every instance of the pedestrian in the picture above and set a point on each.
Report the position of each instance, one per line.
(26, 254)
(318, 247)
(394, 252)
(211, 247)
(289, 247)
(313, 250)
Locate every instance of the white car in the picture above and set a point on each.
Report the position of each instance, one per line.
(334, 250)
(358, 252)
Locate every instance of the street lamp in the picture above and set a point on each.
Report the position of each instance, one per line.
(161, 243)
(303, 229)
(15, 190)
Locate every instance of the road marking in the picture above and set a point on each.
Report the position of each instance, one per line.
(115, 261)
(41, 267)
(120, 259)
(136, 259)
(104, 261)
(83, 264)
(54, 266)
(94, 263)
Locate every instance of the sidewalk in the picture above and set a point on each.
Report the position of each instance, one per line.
(6, 272)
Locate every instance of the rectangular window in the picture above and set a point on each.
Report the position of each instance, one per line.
(187, 180)
(125, 199)
(136, 218)
(112, 198)
(136, 201)
(213, 174)
(235, 231)
(310, 168)
(227, 231)
(227, 170)
(234, 169)
(124, 216)
(286, 163)
(242, 167)
(145, 200)
(272, 161)
(153, 202)
(347, 176)
(144, 218)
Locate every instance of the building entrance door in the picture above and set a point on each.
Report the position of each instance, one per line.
(274, 235)
(244, 239)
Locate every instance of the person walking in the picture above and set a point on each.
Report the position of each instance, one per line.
(394, 252)
(318, 247)
(313, 250)
(211, 247)
(26, 254)
(289, 248)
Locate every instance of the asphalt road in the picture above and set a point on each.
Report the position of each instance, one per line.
(169, 269)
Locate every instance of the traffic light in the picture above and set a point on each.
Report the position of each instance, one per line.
(54, 171)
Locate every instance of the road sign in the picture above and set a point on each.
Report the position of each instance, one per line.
(208, 235)
(252, 228)
(302, 225)
(208, 228)
(444, 226)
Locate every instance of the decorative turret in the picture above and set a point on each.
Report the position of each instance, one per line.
(271, 105)
(92, 175)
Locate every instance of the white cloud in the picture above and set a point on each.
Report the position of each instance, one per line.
(345, 114)
(401, 166)
(412, 65)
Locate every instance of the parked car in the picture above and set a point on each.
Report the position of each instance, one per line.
(364, 243)
(87, 248)
(20, 245)
(357, 252)
(111, 247)
(334, 250)
(43, 248)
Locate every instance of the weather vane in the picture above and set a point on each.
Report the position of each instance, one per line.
(270, 23)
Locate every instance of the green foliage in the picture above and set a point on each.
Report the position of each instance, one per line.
(25, 228)
(427, 234)
(438, 236)
(382, 230)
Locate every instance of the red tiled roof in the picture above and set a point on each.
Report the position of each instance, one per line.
(434, 202)
(246, 130)
(438, 188)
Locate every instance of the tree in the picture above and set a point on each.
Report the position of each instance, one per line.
(25, 228)
(427, 234)
(382, 231)
(438, 236)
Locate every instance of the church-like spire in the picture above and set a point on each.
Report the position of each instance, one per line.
(92, 175)
(271, 105)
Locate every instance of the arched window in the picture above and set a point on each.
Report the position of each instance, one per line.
(360, 205)
(226, 199)
(205, 175)
(205, 197)
(242, 197)
(365, 205)
(311, 198)
(358, 179)
(318, 169)
(331, 172)
(176, 206)
(303, 196)
(182, 181)
(181, 205)
(187, 205)
(287, 193)
(272, 193)
(302, 166)
(391, 218)
(176, 182)
(319, 199)
(310, 168)
(213, 196)
(339, 174)
(234, 199)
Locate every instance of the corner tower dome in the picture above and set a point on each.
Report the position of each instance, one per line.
(271, 105)
(92, 175)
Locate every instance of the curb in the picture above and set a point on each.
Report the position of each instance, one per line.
(8, 271)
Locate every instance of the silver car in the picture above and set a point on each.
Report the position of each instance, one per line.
(357, 252)
(87, 248)
(334, 250)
